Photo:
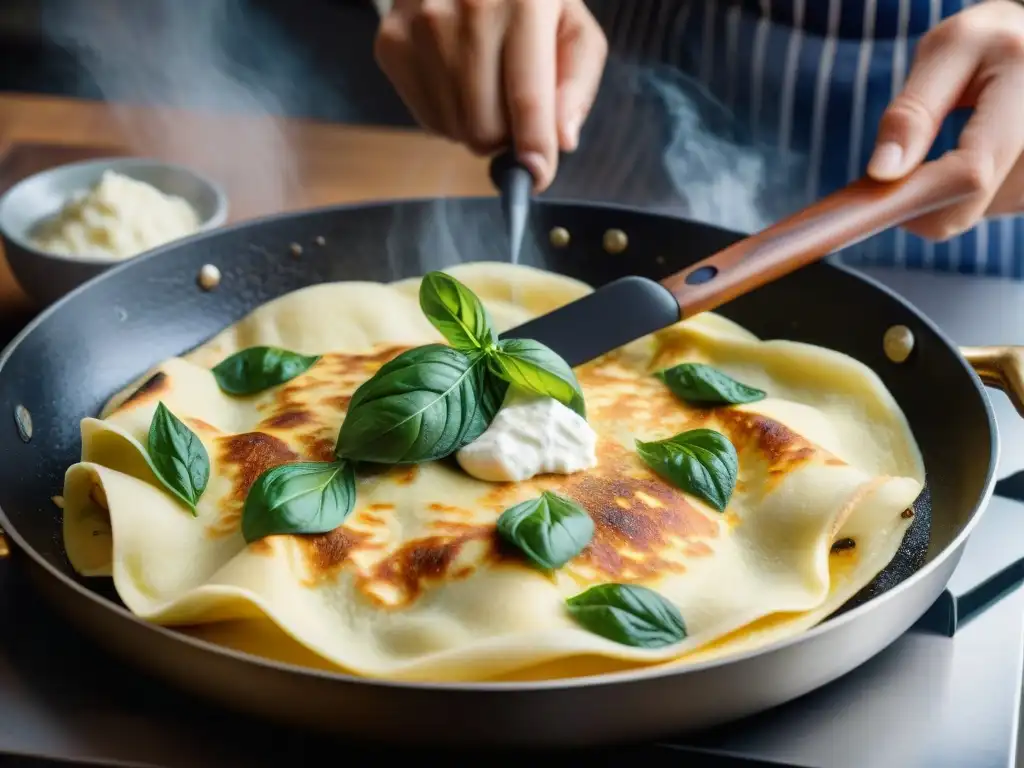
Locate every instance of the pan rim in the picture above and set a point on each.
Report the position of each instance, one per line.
(625, 677)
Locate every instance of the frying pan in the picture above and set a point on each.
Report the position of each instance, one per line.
(97, 339)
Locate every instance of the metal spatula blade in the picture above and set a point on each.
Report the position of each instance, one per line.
(622, 311)
(632, 307)
(582, 330)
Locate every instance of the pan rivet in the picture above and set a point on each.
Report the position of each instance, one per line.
(559, 237)
(615, 241)
(209, 277)
(23, 420)
(320, 240)
(898, 343)
(659, 259)
(296, 250)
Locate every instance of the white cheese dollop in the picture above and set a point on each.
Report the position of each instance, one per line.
(530, 435)
(118, 218)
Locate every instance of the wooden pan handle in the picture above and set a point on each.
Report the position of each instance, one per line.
(845, 217)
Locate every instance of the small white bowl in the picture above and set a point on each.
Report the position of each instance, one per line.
(46, 277)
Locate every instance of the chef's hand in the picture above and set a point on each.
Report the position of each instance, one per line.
(489, 73)
(973, 59)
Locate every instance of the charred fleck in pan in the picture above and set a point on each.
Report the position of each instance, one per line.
(92, 343)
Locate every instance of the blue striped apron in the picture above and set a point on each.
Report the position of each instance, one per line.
(806, 79)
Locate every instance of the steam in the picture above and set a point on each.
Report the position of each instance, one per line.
(655, 139)
(723, 182)
(444, 235)
(659, 139)
(168, 54)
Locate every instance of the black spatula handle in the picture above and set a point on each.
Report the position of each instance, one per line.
(509, 175)
(515, 184)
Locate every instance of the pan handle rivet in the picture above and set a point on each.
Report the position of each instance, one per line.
(615, 241)
(559, 237)
(209, 277)
(898, 343)
(23, 421)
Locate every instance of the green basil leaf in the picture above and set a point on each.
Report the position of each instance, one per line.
(699, 383)
(628, 614)
(702, 462)
(424, 405)
(536, 368)
(178, 457)
(492, 394)
(258, 368)
(549, 530)
(456, 312)
(305, 497)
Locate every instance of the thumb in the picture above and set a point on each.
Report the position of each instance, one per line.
(939, 77)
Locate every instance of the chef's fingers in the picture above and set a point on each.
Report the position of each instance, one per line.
(529, 73)
(481, 32)
(396, 56)
(582, 51)
(943, 67)
(990, 146)
(1005, 55)
(435, 35)
(1010, 197)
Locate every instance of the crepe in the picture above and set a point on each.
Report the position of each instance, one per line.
(415, 585)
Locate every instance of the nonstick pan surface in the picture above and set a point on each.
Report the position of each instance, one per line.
(86, 347)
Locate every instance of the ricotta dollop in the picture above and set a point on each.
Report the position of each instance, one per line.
(530, 435)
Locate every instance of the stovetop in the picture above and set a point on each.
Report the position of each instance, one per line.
(928, 700)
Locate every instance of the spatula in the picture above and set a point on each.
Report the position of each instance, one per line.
(631, 307)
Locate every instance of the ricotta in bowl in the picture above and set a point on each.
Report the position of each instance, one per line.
(119, 217)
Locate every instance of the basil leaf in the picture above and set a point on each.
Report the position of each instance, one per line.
(699, 383)
(258, 368)
(702, 462)
(178, 457)
(628, 614)
(305, 497)
(536, 368)
(424, 405)
(492, 394)
(549, 530)
(456, 312)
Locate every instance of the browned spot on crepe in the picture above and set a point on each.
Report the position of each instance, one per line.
(201, 426)
(327, 553)
(150, 389)
(418, 564)
(243, 458)
(293, 417)
(639, 519)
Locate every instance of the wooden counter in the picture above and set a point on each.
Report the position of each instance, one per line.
(265, 165)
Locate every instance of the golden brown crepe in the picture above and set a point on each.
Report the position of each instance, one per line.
(415, 584)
